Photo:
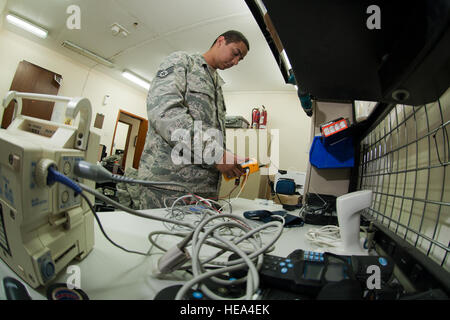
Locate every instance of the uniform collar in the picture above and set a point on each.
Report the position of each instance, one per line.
(201, 60)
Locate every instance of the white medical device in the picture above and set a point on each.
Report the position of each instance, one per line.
(42, 228)
(348, 208)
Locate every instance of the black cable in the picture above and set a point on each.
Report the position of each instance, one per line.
(279, 199)
(103, 231)
(272, 188)
(437, 149)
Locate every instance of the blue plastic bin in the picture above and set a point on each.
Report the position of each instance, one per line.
(338, 155)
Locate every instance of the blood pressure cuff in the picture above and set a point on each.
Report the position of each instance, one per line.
(268, 216)
(285, 186)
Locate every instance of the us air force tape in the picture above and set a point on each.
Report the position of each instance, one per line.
(164, 73)
(60, 291)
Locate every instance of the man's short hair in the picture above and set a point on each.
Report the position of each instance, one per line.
(234, 36)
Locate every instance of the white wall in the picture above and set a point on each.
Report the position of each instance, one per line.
(78, 80)
(284, 113)
(2, 13)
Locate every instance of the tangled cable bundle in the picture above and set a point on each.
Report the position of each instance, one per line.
(205, 235)
(204, 229)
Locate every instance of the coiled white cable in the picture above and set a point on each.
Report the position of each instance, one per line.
(326, 236)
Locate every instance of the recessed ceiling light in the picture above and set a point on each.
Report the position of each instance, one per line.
(136, 79)
(28, 26)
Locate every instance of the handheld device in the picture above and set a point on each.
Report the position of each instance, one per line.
(250, 166)
(307, 272)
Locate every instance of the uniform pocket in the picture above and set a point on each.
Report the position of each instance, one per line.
(202, 88)
(200, 99)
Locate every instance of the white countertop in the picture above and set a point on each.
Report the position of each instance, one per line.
(111, 273)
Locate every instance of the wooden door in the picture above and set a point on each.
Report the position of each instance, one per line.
(34, 79)
(138, 141)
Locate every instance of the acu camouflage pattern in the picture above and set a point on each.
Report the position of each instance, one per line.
(128, 193)
(185, 90)
(110, 160)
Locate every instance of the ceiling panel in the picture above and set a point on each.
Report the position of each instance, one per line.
(157, 28)
(172, 15)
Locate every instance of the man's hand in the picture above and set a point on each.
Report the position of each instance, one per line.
(230, 165)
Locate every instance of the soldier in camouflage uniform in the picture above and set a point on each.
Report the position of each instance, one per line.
(186, 94)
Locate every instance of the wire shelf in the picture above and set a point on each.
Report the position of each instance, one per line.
(404, 161)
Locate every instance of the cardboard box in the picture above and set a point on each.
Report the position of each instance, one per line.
(270, 179)
(291, 200)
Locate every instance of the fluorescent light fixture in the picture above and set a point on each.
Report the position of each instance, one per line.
(137, 80)
(23, 24)
(87, 53)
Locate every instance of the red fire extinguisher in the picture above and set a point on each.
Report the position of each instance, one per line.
(263, 118)
(255, 118)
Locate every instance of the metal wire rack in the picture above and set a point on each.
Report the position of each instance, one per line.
(404, 161)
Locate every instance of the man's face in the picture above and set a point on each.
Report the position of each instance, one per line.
(229, 55)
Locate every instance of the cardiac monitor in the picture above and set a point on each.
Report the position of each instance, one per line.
(43, 228)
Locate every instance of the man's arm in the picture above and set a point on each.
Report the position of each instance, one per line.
(230, 166)
(165, 101)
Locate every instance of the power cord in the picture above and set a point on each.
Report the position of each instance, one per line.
(240, 191)
(55, 176)
(103, 230)
(86, 170)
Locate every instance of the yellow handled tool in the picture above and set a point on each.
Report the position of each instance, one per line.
(250, 166)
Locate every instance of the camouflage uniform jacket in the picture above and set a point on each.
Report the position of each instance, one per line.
(185, 94)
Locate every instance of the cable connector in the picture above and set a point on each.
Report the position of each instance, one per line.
(47, 174)
(41, 175)
(55, 176)
(97, 173)
(86, 170)
(175, 257)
